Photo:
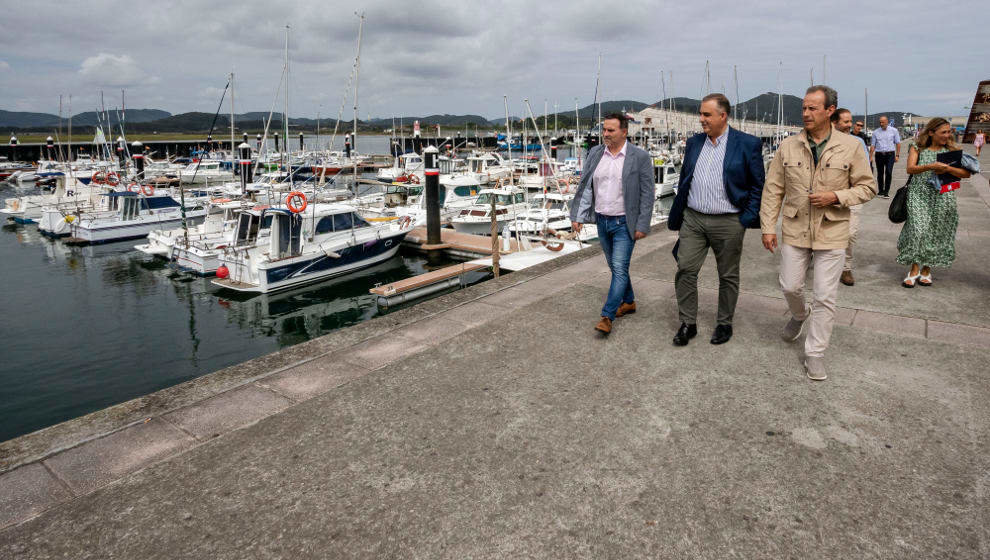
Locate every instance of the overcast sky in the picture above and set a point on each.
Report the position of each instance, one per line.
(427, 57)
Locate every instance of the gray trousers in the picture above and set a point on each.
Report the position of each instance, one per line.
(724, 234)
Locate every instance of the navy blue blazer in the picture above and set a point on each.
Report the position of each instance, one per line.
(742, 173)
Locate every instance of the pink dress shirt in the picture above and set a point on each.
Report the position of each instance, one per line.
(607, 181)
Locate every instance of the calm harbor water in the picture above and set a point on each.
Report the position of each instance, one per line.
(83, 328)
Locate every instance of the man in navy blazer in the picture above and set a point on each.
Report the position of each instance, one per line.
(718, 198)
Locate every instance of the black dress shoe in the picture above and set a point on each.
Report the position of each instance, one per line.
(685, 334)
(722, 334)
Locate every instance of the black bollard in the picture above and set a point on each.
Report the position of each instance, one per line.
(553, 149)
(432, 173)
(276, 141)
(245, 165)
(259, 142)
(347, 145)
(244, 140)
(209, 143)
(137, 152)
(50, 148)
(301, 147)
(13, 148)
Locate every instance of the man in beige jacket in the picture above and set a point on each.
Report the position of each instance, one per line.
(815, 177)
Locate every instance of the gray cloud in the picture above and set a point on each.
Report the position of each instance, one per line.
(448, 57)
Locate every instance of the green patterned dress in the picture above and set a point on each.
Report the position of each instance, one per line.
(929, 234)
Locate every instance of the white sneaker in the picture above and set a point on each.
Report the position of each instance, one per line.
(814, 366)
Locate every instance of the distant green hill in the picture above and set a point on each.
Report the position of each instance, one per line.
(22, 120)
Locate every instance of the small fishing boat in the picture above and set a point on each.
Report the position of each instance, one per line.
(304, 247)
(477, 218)
(128, 215)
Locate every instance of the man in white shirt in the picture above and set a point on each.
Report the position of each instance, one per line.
(885, 149)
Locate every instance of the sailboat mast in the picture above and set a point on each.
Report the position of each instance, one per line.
(232, 145)
(577, 130)
(598, 79)
(285, 112)
(866, 108)
(357, 70)
(735, 78)
(508, 128)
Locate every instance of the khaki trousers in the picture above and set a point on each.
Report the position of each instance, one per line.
(827, 264)
(724, 234)
(853, 230)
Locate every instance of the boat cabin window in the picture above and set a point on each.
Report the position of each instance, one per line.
(658, 174)
(347, 220)
(131, 208)
(159, 202)
(504, 199)
(520, 198)
(477, 166)
(325, 225)
(287, 235)
(467, 190)
(447, 166)
(484, 199)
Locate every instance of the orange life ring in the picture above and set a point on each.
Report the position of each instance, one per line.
(98, 178)
(553, 245)
(296, 208)
(414, 179)
(112, 179)
(131, 187)
(148, 190)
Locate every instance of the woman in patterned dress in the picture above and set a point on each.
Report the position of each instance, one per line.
(929, 234)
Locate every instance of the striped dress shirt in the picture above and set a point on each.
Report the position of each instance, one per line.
(707, 194)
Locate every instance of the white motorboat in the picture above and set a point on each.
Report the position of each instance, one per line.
(549, 211)
(204, 172)
(128, 215)
(200, 249)
(477, 218)
(328, 240)
(666, 177)
(488, 168)
(403, 166)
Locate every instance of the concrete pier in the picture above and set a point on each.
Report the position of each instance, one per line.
(495, 423)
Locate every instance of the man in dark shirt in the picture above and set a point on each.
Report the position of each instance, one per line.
(857, 130)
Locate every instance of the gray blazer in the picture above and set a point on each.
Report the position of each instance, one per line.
(638, 189)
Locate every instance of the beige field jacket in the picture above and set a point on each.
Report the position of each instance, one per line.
(792, 176)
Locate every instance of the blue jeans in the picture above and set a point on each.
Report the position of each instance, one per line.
(617, 245)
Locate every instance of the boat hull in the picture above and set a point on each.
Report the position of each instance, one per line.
(289, 273)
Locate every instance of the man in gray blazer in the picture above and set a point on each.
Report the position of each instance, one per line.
(616, 193)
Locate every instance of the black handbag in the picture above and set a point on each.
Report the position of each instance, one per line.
(897, 211)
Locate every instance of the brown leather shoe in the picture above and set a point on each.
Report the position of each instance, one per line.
(625, 309)
(605, 325)
(847, 278)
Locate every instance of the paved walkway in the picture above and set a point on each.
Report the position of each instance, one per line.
(494, 422)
